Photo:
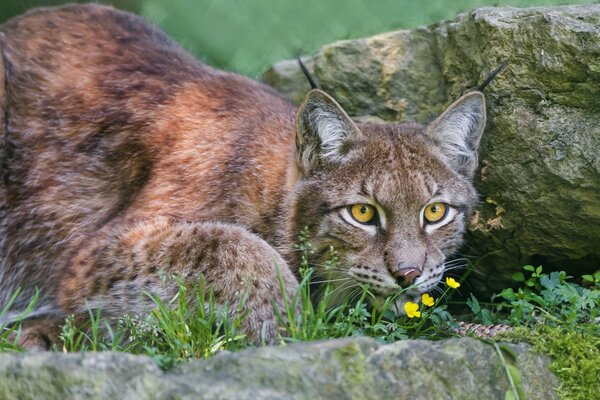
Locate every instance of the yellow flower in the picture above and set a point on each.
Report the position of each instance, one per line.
(452, 283)
(427, 300)
(412, 310)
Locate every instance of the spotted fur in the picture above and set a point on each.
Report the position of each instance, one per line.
(122, 157)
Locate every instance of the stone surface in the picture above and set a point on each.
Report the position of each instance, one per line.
(540, 156)
(357, 368)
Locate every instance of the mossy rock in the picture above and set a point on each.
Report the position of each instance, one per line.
(357, 368)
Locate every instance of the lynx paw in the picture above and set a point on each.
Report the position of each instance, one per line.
(39, 335)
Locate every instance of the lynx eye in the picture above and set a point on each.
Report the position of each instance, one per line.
(363, 213)
(435, 212)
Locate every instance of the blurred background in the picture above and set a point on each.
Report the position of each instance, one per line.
(247, 36)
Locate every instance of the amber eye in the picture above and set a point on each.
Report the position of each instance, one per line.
(363, 213)
(435, 212)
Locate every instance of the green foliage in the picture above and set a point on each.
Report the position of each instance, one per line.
(553, 298)
(558, 316)
(324, 320)
(248, 37)
(561, 319)
(480, 314)
(508, 359)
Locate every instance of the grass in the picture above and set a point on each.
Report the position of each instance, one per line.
(175, 331)
(249, 36)
(172, 332)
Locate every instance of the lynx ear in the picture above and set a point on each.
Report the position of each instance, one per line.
(458, 130)
(323, 131)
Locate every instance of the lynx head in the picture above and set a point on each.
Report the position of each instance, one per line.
(393, 200)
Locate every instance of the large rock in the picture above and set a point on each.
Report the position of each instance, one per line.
(338, 369)
(540, 156)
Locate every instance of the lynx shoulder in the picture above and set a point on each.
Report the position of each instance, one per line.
(122, 156)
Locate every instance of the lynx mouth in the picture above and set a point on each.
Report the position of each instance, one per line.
(383, 287)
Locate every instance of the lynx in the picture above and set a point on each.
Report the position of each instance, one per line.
(123, 158)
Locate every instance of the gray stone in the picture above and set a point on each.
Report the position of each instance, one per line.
(288, 78)
(540, 156)
(357, 368)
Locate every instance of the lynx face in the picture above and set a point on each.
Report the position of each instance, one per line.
(392, 200)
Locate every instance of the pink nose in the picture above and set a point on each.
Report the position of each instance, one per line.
(406, 276)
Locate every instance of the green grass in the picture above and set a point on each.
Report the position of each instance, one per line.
(190, 325)
(249, 36)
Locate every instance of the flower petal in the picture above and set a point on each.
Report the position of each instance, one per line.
(452, 283)
(412, 310)
(427, 300)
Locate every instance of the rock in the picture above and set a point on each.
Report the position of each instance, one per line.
(288, 78)
(356, 368)
(540, 156)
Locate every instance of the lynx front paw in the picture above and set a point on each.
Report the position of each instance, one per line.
(267, 318)
(245, 272)
(242, 271)
(39, 335)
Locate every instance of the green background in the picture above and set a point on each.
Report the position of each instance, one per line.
(248, 36)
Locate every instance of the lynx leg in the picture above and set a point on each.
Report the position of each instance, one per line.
(117, 268)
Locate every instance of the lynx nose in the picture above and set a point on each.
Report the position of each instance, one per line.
(406, 276)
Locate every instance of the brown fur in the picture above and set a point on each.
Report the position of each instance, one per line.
(122, 156)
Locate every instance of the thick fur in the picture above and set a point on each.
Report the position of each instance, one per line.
(123, 158)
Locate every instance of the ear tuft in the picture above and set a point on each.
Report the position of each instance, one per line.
(323, 131)
(458, 130)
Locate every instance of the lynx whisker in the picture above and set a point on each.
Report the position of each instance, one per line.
(459, 267)
(351, 294)
(453, 267)
(437, 289)
(460, 261)
(330, 281)
(348, 286)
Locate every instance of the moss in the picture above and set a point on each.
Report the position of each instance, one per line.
(575, 357)
(352, 360)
